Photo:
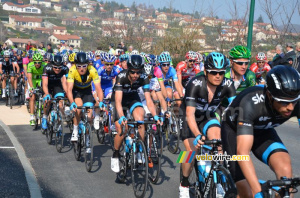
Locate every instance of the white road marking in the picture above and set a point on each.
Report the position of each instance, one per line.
(7, 147)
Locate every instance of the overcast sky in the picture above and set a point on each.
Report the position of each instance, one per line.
(221, 8)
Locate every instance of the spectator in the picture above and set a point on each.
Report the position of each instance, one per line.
(4, 47)
(28, 46)
(124, 48)
(49, 49)
(296, 64)
(33, 47)
(42, 46)
(290, 55)
(130, 49)
(278, 57)
(111, 49)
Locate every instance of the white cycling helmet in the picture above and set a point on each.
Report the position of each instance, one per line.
(134, 52)
(148, 69)
(6, 53)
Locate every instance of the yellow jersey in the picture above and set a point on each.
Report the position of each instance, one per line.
(83, 81)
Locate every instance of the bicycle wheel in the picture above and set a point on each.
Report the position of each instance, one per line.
(154, 146)
(173, 135)
(11, 97)
(36, 115)
(49, 130)
(139, 171)
(59, 138)
(89, 158)
(100, 133)
(77, 147)
(123, 161)
(225, 185)
(193, 180)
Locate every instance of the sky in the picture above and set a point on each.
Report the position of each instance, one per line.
(223, 8)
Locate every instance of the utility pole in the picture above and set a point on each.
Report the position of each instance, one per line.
(250, 25)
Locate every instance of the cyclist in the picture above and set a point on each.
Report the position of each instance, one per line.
(123, 61)
(98, 63)
(187, 69)
(124, 97)
(19, 61)
(199, 62)
(79, 91)
(54, 84)
(260, 68)
(34, 75)
(8, 65)
(249, 123)
(165, 73)
(107, 75)
(200, 109)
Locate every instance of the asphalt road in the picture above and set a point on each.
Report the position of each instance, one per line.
(60, 175)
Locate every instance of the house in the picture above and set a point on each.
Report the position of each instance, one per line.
(79, 21)
(154, 29)
(59, 30)
(71, 39)
(194, 28)
(21, 43)
(45, 3)
(161, 16)
(57, 7)
(174, 16)
(119, 31)
(43, 30)
(21, 8)
(90, 10)
(212, 21)
(161, 23)
(25, 22)
(200, 39)
(112, 21)
(124, 14)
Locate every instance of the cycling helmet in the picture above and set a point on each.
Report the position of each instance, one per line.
(49, 56)
(55, 51)
(153, 59)
(148, 69)
(42, 52)
(261, 56)
(72, 57)
(164, 58)
(135, 62)
(57, 60)
(190, 55)
(109, 58)
(75, 50)
(239, 51)
(37, 57)
(215, 60)
(166, 52)
(199, 57)
(19, 52)
(283, 83)
(123, 57)
(6, 53)
(134, 52)
(65, 58)
(81, 58)
(98, 53)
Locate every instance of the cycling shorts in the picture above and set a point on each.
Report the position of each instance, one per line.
(56, 90)
(266, 142)
(85, 94)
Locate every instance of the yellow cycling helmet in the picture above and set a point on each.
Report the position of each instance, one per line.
(72, 57)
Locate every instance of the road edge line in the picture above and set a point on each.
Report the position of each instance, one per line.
(33, 185)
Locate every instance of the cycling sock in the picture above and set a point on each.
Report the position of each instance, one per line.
(97, 116)
(185, 181)
(31, 116)
(116, 154)
(45, 116)
(75, 127)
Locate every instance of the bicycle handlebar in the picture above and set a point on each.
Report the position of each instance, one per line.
(287, 182)
(214, 142)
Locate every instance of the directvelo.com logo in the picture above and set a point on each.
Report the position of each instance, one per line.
(188, 156)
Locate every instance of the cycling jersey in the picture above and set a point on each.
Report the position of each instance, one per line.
(7, 66)
(54, 78)
(171, 74)
(259, 71)
(20, 63)
(36, 72)
(97, 64)
(248, 80)
(252, 114)
(186, 72)
(83, 81)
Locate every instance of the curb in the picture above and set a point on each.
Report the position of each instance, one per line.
(33, 185)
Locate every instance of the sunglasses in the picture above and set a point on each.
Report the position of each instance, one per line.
(135, 72)
(286, 102)
(260, 62)
(109, 64)
(215, 72)
(57, 67)
(81, 66)
(192, 61)
(241, 62)
(165, 65)
(38, 62)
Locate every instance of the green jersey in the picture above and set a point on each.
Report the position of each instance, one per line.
(36, 73)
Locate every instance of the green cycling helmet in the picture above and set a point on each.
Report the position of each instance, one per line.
(37, 57)
(239, 51)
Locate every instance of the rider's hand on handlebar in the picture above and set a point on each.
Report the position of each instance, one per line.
(73, 106)
(122, 121)
(46, 98)
(159, 121)
(198, 141)
(102, 106)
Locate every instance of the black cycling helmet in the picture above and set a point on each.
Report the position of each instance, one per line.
(215, 60)
(135, 62)
(81, 58)
(283, 83)
(57, 60)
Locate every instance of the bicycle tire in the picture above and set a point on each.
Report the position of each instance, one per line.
(134, 170)
(155, 152)
(100, 133)
(49, 134)
(224, 178)
(173, 136)
(10, 96)
(77, 147)
(89, 158)
(193, 179)
(59, 137)
(123, 161)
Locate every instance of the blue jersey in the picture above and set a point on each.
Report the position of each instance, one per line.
(97, 64)
(171, 74)
(106, 79)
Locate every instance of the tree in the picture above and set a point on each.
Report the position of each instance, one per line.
(260, 19)
(97, 9)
